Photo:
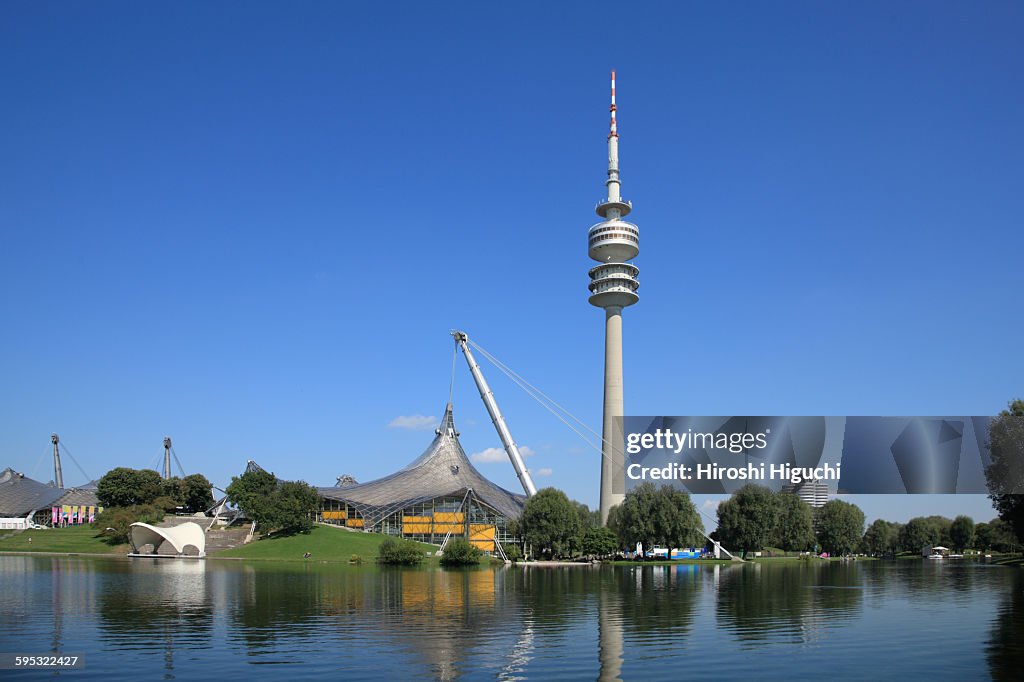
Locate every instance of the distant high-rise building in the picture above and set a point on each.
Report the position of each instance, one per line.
(814, 491)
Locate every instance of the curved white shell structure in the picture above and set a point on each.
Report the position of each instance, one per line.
(180, 537)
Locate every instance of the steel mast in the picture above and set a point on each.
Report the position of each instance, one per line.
(58, 475)
(499, 421)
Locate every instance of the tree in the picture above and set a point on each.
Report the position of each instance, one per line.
(794, 523)
(284, 506)
(292, 506)
(600, 542)
(251, 493)
(879, 538)
(917, 534)
(198, 493)
(961, 533)
(657, 516)
(124, 487)
(840, 527)
(551, 523)
(746, 521)
(1005, 475)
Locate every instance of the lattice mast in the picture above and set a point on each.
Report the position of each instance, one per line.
(613, 284)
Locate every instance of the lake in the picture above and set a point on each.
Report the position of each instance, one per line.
(166, 619)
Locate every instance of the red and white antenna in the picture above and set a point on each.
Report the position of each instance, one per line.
(614, 127)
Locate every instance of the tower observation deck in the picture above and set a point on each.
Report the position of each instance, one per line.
(613, 285)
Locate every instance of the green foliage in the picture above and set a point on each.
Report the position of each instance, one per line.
(918, 533)
(115, 522)
(588, 518)
(961, 533)
(880, 538)
(794, 523)
(996, 535)
(840, 527)
(165, 504)
(174, 493)
(656, 516)
(400, 553)
(124, 487)
(282, 506)
(355, 559)
(600, 542)
(198, 493)
(746, 521)
(292, 506)
(1005, 475)
(551, 524)
(459, 552)
(512, 551)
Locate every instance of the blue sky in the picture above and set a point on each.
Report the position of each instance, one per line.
(251, 227)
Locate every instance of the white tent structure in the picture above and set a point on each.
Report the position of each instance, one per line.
(180, 537)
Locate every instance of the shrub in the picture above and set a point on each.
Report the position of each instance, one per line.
(116, 522)
(400, 553)
(355, 559)
(512, 551)
(460, 553)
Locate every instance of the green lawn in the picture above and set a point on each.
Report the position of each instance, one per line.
(75, 539)
(325, 544)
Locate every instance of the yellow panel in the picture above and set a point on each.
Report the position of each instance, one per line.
(416, 519)
(448, 528)
(354, 523)
(410, 528)
(481, 531)
(449, 517)
(335, 515)
(486, 545)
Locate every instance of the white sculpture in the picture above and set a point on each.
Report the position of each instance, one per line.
(181, 537)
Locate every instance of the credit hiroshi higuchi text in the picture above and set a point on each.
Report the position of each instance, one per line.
(750, 472)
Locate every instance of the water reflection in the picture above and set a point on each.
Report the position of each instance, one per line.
(142, 618)
(1005, 650)
(761, 603)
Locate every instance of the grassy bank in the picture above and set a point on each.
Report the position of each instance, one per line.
(73, 539)
(324, 544)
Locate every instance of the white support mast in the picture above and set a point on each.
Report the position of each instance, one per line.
(499, 421)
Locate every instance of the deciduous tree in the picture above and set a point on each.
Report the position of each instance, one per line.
(551, 524)
(1005, 475)
(840, 527)
(746, 521)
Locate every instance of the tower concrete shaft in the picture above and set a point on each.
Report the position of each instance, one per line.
(612, 482)
(613, 286)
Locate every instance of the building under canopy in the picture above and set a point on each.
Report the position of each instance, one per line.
(440, 494)
(24, 501)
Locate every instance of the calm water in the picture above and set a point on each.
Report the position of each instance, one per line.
(142, 619)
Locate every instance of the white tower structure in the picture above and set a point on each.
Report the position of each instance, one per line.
(613, 285)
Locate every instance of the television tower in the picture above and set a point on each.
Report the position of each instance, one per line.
(613, 286)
